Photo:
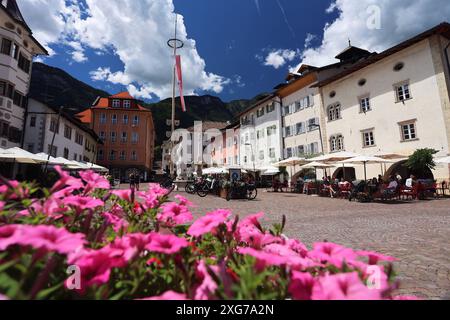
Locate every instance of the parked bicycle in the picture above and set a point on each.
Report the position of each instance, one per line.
(241, 190)
(208, 186)
(192, 187)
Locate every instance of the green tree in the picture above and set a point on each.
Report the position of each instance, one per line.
(422, 162)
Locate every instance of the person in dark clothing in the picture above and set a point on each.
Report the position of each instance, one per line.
(132, 181)
(137, 181)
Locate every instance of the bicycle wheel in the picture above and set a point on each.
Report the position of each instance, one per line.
(203, 191)
(252, 194)
(190, 188)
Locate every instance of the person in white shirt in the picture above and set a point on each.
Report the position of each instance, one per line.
(410, 182)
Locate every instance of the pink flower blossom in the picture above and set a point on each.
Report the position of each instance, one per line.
(116, 222)
(174, 214)
(94, 181)
(83, 203)
(406, 298)
(123, 194)
(263, 258)
(301, 285)
(167, 244)
(297, 246)
(125, 249)
(253, 237)
(183, 201)
(150, 200)
(375, 257)
(208, 287)
(347, 286)
(48, 238)
(3, 297)
(66, 180)
(332, 253)
(157, 190)
(2, 205)
(16, 191)
(170, 296)
(208, 223)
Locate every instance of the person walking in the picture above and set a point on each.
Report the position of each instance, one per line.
(137, 181)
(132, 181)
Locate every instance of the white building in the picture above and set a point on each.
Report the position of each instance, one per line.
(73, 140)
(17, 49)
(393, 102)
(260, 134)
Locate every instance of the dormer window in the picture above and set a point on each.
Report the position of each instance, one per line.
(127, 104)
(116, 103)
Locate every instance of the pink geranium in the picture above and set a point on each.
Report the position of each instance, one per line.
(301, 285)
(167, 244)
(347, 286)
(174, 214)
(332, 253)
(94, 181)
(170, 296)
(48, 238)
(208, 223)
(83, 203)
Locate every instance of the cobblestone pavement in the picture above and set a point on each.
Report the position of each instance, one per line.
(417, 233)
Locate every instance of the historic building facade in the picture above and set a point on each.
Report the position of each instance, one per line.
(128, 134)
(17, 49)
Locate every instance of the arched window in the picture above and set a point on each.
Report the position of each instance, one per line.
(336, 143)
(340, 143)
(334, 112)
(333, 144)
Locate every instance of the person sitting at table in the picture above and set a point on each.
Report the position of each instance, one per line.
(327, 185)
(392, 187)
(276, 185)
(410, 182)
(299, 184)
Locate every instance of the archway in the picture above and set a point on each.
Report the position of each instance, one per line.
(348, 173)
(402, 169)
(306, 174)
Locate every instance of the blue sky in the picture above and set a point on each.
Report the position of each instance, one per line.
(234, 48)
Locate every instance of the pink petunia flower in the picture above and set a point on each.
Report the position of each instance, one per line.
(332, 253)
(157, 190)
(66, 180)
(123, 194)
(116, 222)
(125, 249)
(174, 214)
(347, 286)
(170, 296)
(48, 238)
(151, 201)
(83, 203)
(375, 257)
(3, 297)
(263, 258)
(183, 201)
(208, 223)
(301, 285)
(207, 288)
(2, 205)
(406, 298)
(167, 244)
(94, 181)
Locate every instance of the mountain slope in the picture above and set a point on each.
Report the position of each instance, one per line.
(56, 88)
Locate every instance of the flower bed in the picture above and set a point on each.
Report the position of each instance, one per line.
(81, 240)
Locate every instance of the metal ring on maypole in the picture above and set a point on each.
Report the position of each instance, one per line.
(175, 43)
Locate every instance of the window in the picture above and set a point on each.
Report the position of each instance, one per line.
(67, 132)
(54, 126)
(409, 132)
(135, 137)
(79, 139)
(127, 104)
(15, 52)
(365, 104)
(403, 92)
(102, 136)
(66, 154)
(112, 155)
(272, 153)
(313, 124)
(136, 120)
(134, 156)
(301, 151)
(53, 151)
(3, 88)
(301, 128)
(314, 148)
(33, 121)
(116, 103)
(24, 63)
(271, 131)
(18, 99)
(286, 110)
(114, 119)
(368, 138)
(260, 113)
(123, 156)
(288, 131)
(334, 112)
(100, 155)
(124, 137)
(337, 143)
(270, 107)
(125, 119)
(289, 153)
(6, 46)
(113, 137)
(102, 118)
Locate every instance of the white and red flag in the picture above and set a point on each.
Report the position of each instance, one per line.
(180, 81)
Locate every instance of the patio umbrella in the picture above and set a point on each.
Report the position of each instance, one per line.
(366, 160)
(291, 162)
(96, 167)
(317, 165)
(334, 157)
(20, 156)
(443, 160)
(52, 161)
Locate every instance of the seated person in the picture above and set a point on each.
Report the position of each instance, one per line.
(392, 187)
(410, 182)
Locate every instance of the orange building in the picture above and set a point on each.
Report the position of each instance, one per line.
(128, 134)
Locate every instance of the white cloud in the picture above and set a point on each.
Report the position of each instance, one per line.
(136, 31)
(278, 58)
(399, 20)
(105, 74)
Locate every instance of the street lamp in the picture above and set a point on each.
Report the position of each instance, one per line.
(320, 132)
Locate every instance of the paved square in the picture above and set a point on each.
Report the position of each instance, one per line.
(417, 233)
